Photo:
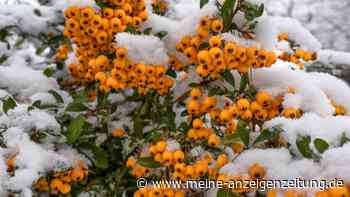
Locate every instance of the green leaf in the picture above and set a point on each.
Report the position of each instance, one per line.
(102, 99)
(60, 65)
(193, 85)
(244, 82)
(57, 96)
(252, 11)
(303, 144)
(40, 50)
(226, 13)
(75, 129)
(230, 139)
(321, 145)
(101, 4)
(139, 124)
(204, 45)
(131, 30)
(7, 104)
(184, 113)
(76, 107)
(227, 75)
(148, 162)
(19, 42)
(3, 34)
(55, 39)
(260, 10)
(226, 193)
(37, 12)
(266, 135)
(48, 72)
(80, 97)
(3, 58)
(243, 132)
(344, 139)
(171, 73)
(37, 104)
(216, 91)
(153, 136)
(161, 34)
(147, 31)
(100, 157)
(203, 2)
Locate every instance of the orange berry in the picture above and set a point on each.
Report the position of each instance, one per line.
(195, 93)
(264, 99)
(65, 189)
(161, 146)
(256, 171)
(167, 157)
(217, 26)
(214, 140)
(119, 132)
(179, 156)
(56, 184)
(243, 105)
(221, 160)
(215, 41)
(197, 123)
(193, 107)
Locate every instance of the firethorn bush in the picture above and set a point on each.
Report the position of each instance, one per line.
(110, 91)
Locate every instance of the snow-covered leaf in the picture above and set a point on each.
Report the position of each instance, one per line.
(57, 96)
(321, 145)
(76, 107)
(8, 103)
(303, 144)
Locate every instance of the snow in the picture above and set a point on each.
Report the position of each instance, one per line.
(23, 15)
(31, 159)
(335, 163)
(269, 27)
(141, 48)
(35, 119)
(231, 37)
(311, 97)
(335, 89)
(288, 169)
(23, 80)
(182, 24)
(333, 57)
(292, 101)
(330, 129)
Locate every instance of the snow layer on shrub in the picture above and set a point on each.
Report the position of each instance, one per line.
(35, 119)
(311, 97)
(25, 81)
(178, 28)
(141, 48)
(333, 57)
(335, 89)
(334, 164)
(329, 128)
(269, 27)
(31, 159)
(23, 15)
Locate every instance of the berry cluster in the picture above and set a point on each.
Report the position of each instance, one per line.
(61, 182)
(299, 56)
(212, 55)
(62, 52)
